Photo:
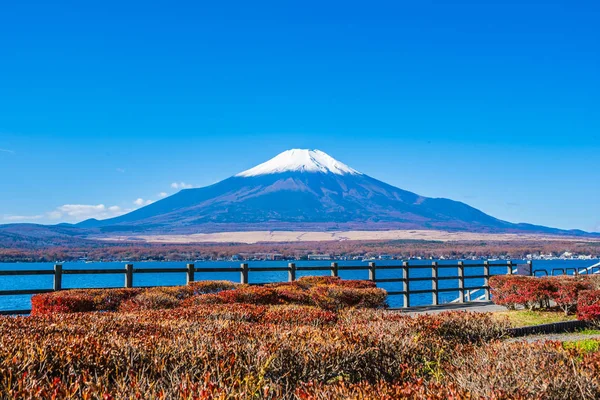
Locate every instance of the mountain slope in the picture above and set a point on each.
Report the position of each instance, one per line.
(304, 189)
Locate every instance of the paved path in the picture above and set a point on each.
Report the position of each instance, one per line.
(471, 307)
(560, 337)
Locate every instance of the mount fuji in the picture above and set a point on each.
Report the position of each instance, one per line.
(304, 190)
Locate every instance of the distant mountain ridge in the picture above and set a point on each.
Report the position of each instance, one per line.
(305, 190)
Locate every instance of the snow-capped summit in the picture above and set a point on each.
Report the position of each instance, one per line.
(302, 160)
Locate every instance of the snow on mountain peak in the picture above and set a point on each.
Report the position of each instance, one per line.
(301, 160)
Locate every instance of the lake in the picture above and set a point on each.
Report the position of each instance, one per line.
(170, 279)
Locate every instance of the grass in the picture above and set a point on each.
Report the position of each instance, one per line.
(520, 318)
(589, 331)
(585, 345)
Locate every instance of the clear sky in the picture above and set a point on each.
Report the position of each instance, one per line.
(105, 105)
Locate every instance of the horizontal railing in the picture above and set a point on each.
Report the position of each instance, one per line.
(464, 292)
(567, 271)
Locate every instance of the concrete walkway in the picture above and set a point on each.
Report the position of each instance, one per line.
(480, 306)
(559, 337)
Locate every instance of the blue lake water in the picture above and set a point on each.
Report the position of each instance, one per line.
(171, 279)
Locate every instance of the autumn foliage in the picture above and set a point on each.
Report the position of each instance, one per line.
(329, 293)
(241, 351)
(588, 306)
(532, 292)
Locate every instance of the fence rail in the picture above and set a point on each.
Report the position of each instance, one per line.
(567, 271)
(192, 272)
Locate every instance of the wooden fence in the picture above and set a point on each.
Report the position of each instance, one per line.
(192, 273)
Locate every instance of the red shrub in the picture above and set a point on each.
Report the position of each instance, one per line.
(567, 290)
(299, 315)
(594, 281)
(588, 306)
(512, 290)
(357, 284)
(202, 299)
(205, 287)
(62, 302)
(306, 282)
(111, 299)
(293, 294)
(337, 297)
(259, 295)
(531, 292)
(337, 294)
(230, 312)
(461, 326)
(504, 290)
(537, 292)
(149, 300)
(176, 292)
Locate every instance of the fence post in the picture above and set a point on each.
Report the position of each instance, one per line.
(128, 275)
(509, 266)
(190, 273)
(372, 271)
(334, 269)
(58, 277)
(434, 283)
(530, 262)
(461, 282)
(486, 279)
(405, 286)
(244, 274)
(291, 272)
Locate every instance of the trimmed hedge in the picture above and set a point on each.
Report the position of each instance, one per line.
(81, 300)
(84, 300)
(329, 293)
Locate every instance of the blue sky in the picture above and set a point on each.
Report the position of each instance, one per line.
(496, 105)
